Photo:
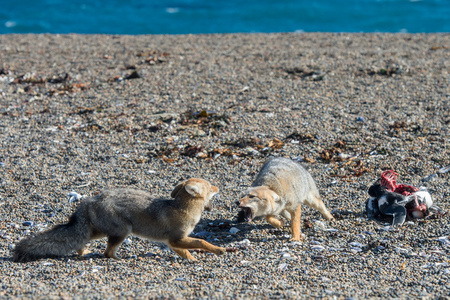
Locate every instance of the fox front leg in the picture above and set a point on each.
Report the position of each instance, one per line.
(274, 221)
(295, 223)
(183, 253)
(193, 243)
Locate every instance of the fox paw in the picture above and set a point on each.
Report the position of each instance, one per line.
(301, 238)
(83, 252)
(113, 256)
(220, 251)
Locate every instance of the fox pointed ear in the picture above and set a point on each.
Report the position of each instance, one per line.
(177, 189)
(194, 189)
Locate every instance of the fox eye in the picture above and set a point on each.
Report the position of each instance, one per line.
(251, 196)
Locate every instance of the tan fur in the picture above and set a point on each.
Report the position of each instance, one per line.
(280, 188)
(120, 212)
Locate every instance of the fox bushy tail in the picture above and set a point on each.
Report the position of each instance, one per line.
(59, 241)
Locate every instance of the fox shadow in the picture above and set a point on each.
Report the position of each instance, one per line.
(225, 231)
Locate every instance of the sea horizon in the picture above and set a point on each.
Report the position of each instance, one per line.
(138, 17)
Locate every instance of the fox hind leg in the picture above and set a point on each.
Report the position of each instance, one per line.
(113, 243)
(83, 251)
(318, 204)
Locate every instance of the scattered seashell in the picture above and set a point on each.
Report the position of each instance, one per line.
(234, 230)
(431, 177)
(443, 239)
(319, 225)
(355, 250)
(245, 242)
(424, 255)
(426, 266)
(444, 170)
(283, 266)
(386, 228)
(356, 244)
(318, 247)
(74, 196)
(336, 249)
(401, 250)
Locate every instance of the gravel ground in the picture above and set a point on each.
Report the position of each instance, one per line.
(85, 113)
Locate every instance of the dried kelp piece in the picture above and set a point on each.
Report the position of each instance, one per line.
(335, 153)
(5, 71)
(352, 168)
(253, 142)
(28, 78)
(191, 151)
(204, 118)
(312, 74)
(32, 79)
(154, 128)
(91, 126)
(81, 110)
(59, 79)
(154, 56)
(72, 88)
(133, 75)
(275, 144)
(302, 137)
(388, 71)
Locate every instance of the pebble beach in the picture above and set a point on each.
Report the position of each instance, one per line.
(84, 113)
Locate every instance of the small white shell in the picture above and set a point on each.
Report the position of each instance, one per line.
(74, 196)
(318, 247)
(234, 230)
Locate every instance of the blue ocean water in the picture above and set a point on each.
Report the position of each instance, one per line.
(222, 16)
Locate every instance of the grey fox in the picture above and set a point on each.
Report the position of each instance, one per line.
(280, 188)
(117, 213)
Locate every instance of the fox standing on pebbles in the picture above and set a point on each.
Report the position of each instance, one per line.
(119, 212)
(280, 188)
